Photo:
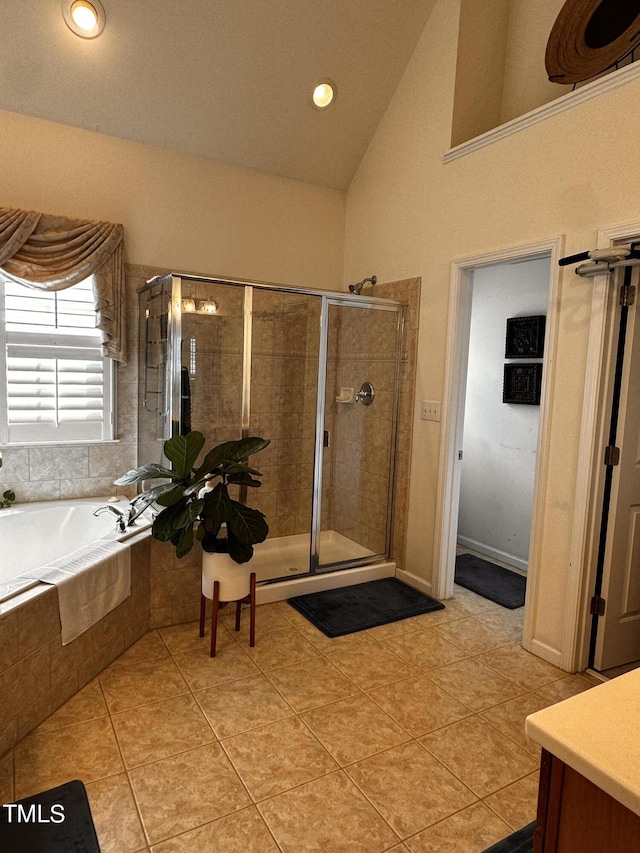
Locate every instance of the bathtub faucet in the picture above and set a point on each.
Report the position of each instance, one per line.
(121, 517)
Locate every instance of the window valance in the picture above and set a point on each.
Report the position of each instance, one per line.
(53, 252)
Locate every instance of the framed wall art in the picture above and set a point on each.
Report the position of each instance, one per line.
(525, 337)
(522, 383)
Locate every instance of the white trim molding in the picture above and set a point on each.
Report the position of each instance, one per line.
(565, 102)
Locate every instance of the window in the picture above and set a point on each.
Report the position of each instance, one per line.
(57, 385)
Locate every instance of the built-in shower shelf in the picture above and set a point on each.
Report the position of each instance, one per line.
(346, 396)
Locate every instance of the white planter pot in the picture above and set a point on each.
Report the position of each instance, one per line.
(233, 577)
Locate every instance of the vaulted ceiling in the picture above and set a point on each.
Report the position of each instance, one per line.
(228, 80)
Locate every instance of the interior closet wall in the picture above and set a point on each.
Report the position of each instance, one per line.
(500, 439)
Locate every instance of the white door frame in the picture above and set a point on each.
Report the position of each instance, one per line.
(453, 414)
(588, 505)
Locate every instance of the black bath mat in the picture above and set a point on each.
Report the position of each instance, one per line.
(519, 842)
(355, 608)
(75, 834)
(490, 581)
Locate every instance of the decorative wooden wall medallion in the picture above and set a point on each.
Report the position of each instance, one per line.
(525, 337)
(591, 36)
(522, 384)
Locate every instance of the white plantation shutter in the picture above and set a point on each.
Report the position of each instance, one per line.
(57, 382)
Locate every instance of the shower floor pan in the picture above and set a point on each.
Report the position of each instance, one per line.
(288, 556)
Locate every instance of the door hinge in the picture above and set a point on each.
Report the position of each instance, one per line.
(326, 438)
(597, 606)
(627, 295)
(611, 455)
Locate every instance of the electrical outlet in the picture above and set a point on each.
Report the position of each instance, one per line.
(430, 410)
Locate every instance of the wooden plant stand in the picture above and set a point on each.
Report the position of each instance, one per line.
(217, 605)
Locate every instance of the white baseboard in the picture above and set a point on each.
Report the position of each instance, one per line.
(548, 653)
(281, 590)
(493, 553)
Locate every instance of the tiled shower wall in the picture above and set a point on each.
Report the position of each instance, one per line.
(407, 291)
(284, 379)
(366, 351)
(212, 348)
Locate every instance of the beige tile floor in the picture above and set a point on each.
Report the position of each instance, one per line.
(407, 737)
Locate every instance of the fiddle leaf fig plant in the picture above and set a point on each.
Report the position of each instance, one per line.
(196, 502)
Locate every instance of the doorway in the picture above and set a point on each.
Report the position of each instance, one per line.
(500, 437)
(450, 475)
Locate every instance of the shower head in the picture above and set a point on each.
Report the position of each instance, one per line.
(357, 288)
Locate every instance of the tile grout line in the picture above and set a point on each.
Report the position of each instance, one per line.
(412, 739)
(337, 769)
(319, 654)
(252, 804)
(124, 764)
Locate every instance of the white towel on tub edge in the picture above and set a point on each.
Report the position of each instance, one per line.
(91, 581)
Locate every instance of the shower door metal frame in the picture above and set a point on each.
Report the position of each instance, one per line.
(328, 298)
(174, 334)
(374, 304)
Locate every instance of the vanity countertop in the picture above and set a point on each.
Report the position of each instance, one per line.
(597, 733)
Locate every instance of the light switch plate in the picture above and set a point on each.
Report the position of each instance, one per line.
(430, 410)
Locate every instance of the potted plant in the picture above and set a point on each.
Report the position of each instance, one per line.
(196, 506)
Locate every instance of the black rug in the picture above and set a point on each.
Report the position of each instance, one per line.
(355, 608)
(490, 581)
(23, 828)
(520, 842)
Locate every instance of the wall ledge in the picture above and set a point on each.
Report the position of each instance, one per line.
(565, 102)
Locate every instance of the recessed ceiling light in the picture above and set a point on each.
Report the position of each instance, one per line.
(324, 94)
(84, 18)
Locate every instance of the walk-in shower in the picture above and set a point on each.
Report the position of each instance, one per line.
(316, 372)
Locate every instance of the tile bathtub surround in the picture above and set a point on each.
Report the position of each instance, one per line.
(253, 751)
(38, 674)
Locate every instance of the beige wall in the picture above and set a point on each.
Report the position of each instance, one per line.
(179, 212)
(410, 215)
(480, 67)
(526, 85)
(501, 71)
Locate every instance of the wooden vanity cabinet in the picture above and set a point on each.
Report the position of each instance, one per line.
(575, 816)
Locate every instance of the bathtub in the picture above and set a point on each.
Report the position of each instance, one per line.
(37, 672)
(33, 534)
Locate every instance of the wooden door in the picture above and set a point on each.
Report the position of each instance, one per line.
(618, 637)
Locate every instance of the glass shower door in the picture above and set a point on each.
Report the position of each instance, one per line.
(284, 344)
(363, 351)
(211, 360)
(154, 387)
